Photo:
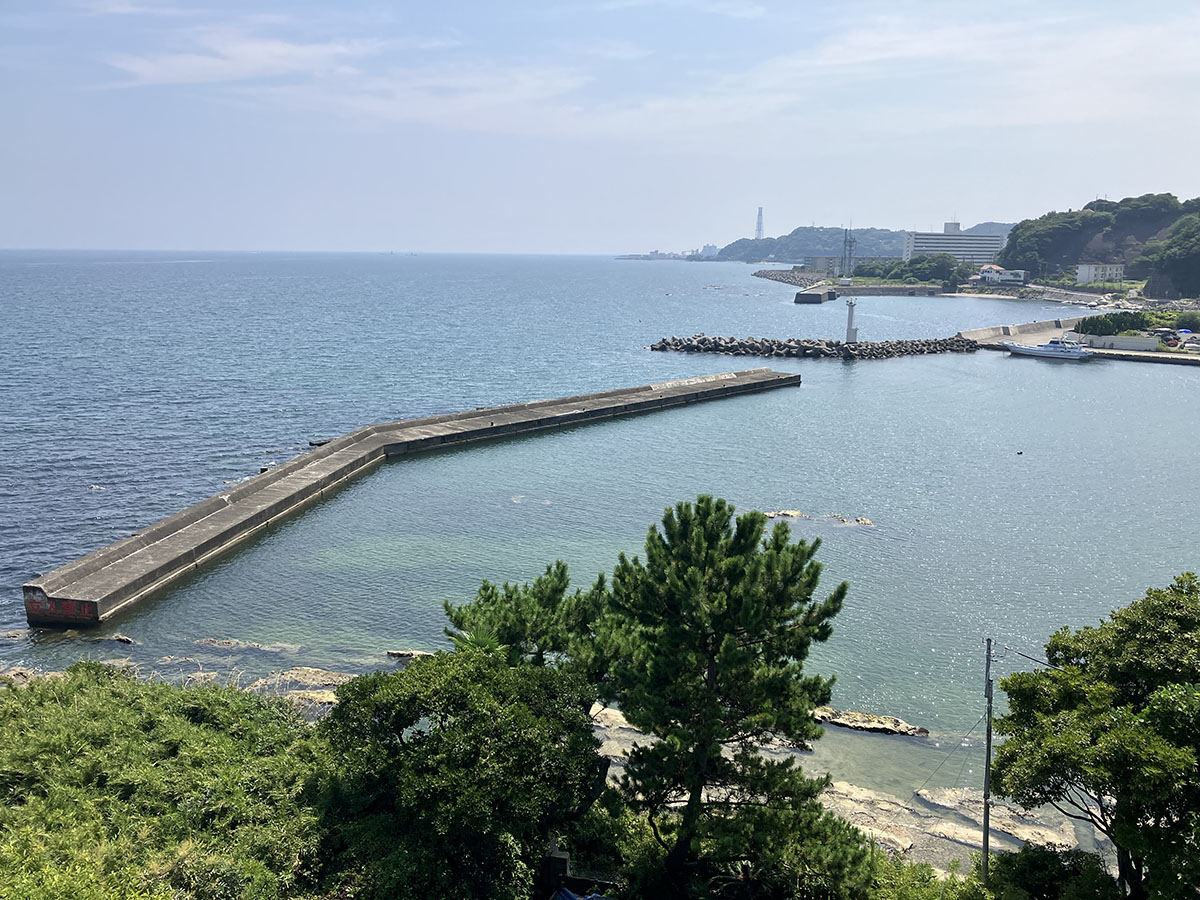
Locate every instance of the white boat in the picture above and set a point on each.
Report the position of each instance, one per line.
(1055, 348)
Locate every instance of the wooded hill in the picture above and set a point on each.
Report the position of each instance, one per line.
(1153, 233)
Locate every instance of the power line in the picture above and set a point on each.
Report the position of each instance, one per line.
(953, 750)
(1040, 662)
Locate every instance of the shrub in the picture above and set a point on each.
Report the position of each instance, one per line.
(112, 787)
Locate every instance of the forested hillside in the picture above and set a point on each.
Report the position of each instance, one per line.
(814, 241)
(1103, 231)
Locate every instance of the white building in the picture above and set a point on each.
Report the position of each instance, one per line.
(991, 274)
(971, 248)
(1087, 273)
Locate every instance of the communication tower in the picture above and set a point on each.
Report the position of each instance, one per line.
(848, 243)
(758, 232)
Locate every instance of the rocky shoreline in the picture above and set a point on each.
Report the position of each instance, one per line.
(937, 827)
(809, 347)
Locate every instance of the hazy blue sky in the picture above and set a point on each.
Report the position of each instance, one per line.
(585, 126)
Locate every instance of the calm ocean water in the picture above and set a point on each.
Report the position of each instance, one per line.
(134, 384)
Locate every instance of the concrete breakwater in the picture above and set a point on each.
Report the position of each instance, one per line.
(808, 347)
(990, 338)
(97, 586)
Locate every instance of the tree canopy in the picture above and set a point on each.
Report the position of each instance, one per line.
(1111, 735)
(1177, 256)
(814, 241)
(449, 776)
(936, 267)
(1103, 230)
(702, 646)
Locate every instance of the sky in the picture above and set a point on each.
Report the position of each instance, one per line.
(579, 126)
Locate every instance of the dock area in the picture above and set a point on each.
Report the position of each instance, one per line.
(97, 586)
(1040, 332)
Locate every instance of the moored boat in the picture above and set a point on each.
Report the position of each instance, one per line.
(1055, 348)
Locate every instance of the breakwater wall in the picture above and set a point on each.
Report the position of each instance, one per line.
(101, 584)
(807, 347)
(892, 290)
(990, 337)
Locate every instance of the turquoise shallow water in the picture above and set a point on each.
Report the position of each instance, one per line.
(133, 385)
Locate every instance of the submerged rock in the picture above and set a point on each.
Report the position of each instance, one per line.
(18, 676)
(404, 657)
(233, 644)
(298, 678)
(860, 721)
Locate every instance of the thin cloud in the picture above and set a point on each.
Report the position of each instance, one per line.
(736, 9)
(237, 56)
(908, 76)
(129, 8)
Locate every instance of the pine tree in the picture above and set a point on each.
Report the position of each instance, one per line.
(707, 640)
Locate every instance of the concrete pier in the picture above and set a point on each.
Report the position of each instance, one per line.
(99, 585)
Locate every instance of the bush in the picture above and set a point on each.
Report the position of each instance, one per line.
(1114, 323)
(1050, 873)
(451, 774)
(1189, 320)
(112, 787)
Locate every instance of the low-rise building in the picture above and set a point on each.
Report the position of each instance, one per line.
(1088, 273)
(977, 249)
(993, 274)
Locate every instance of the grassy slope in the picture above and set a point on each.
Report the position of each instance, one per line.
(116, 788)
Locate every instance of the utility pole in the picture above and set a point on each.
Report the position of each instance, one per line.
(987, 763)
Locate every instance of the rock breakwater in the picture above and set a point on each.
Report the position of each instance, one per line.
(789, 276)
(808, 347)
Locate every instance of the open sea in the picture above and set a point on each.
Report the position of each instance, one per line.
(1010, 496)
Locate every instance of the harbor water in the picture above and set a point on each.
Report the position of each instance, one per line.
(1009, 496)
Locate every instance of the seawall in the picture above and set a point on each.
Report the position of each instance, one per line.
(1039, 332)
(990, 338)
(101, 584)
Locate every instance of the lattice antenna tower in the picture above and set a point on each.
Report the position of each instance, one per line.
(848, 243)
(758, 231)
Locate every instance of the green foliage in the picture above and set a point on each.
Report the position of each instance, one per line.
(1048, 873)
(536, 621)
(1136, 320)
(1178, 257)
(1057, 240)
(112, 787)
(1114, 323)
(939, 267)
(1189, 319)
(814, 241)
(898, 879)
(707, 640)
(1052, 241)
(450, 775)
(1112, 735)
